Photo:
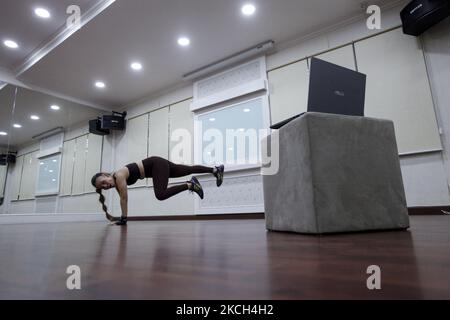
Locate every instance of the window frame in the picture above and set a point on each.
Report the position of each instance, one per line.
(198, 157)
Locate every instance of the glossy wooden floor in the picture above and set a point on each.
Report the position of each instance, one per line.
(234, 259)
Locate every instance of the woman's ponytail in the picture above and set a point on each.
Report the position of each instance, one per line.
(101, 199)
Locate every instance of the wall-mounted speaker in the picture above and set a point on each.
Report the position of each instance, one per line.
(420, 15)
(104, 124)
(95, 128)
(7, 158)
(113, 122)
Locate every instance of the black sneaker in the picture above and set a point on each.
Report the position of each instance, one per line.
(196, 187)
(219, 175)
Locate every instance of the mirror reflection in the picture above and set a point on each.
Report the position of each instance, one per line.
(44, 141)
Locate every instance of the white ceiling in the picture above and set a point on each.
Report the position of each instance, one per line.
(147, 30)
(29, 103)
(19, 23)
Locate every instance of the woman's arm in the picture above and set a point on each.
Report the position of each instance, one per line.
(121, 185)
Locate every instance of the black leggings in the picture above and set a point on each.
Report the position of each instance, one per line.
(161, 170)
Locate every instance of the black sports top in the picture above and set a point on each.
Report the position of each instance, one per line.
(135, 173)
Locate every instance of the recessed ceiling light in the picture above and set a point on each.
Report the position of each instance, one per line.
(42, 13)
(100, 84)
(212, 119)
(136, 66)
(3, 133)
(184, 42)
(18, 126)
(54, 180)
(34, 117)
(51, 171)
(55, 107)
(54, 160)
(248, 9)
(11, 44)
(247, 110)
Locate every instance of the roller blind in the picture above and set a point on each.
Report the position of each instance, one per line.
(181, 123)
(398, 89)
(93, 159)
(137, 141)
(343, 57)
(158, 137)
(3, 170)
(29, 173)
(288, 91)
(79, 165)
(68, 159)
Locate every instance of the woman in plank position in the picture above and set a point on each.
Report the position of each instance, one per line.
(160, 170)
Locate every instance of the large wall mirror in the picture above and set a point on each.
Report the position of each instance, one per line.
(44, 146)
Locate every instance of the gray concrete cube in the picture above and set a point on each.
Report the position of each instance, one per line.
(336, 174)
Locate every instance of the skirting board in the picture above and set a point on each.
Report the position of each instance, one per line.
(50, 218)
(413, 211)
(243, 216)
(96, 217)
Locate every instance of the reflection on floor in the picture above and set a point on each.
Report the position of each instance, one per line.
(234, 259)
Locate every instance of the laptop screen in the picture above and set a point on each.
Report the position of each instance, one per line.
(335, 89)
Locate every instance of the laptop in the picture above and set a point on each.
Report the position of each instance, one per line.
(333, 89)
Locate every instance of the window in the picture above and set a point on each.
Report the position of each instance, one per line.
(231, 135)
(48, 181)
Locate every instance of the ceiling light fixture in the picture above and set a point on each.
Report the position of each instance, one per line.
(184, 42)
(55, 107)
(34, 117)
(100, 84)
(11, 44)
(248, 9)
(42, 13)
(3, 133)
(246, 110)
(18, 126)
(136, 66)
